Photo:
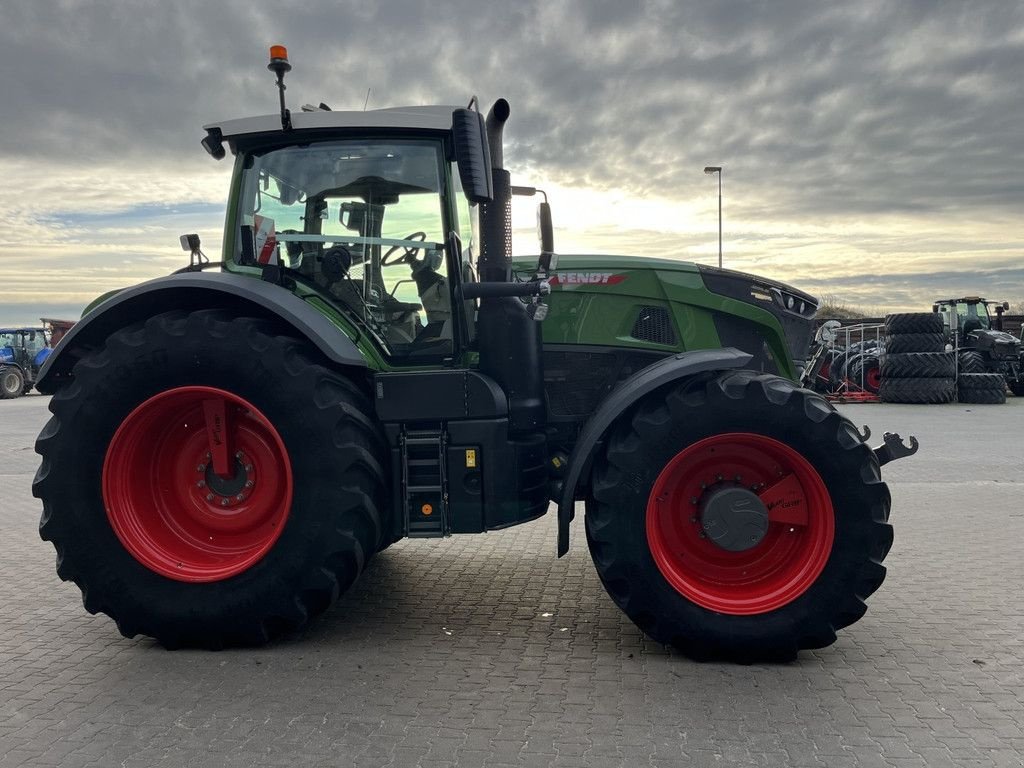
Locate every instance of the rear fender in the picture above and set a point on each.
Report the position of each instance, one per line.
(195, 291)
(667, 371)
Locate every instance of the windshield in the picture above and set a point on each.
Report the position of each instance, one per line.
(364, 221)
(973, 316)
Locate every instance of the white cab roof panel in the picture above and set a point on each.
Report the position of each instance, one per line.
(429, 118)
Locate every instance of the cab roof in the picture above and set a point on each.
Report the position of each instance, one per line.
(435, 117)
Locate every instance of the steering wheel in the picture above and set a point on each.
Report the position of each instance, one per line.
(408, 254)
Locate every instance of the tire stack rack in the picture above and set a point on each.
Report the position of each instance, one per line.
(854, 371)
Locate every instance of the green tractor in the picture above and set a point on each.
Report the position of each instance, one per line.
(228, 449)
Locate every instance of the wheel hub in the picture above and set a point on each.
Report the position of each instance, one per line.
(236, 487)
(733, 517)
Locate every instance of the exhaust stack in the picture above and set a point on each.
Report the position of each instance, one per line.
(495, 262)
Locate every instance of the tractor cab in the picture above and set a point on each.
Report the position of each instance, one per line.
(364, 223)
(964, 315)
(969, 325)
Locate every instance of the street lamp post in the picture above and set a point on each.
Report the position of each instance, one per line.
(718, 169)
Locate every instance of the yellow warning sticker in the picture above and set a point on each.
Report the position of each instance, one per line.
(471, 457)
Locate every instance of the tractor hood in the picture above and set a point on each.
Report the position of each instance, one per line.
(999, 344)
(740, 305)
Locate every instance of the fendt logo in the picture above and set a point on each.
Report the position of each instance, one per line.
(586, 278)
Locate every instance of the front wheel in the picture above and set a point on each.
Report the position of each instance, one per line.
(738, 516)
(12, 383)
(207, 483)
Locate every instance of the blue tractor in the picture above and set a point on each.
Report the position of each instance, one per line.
(22, 353)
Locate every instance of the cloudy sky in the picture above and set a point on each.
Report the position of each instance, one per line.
(871, 150)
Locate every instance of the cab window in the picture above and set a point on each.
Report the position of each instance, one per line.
(364, 222)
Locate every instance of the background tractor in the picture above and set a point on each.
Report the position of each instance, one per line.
(229, 448)
(981, 343)
(22, 353)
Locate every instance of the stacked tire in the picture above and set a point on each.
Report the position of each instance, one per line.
(916, 367)
(981, 388)
(976, 384)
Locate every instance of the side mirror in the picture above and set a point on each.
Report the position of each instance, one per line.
(545, 229)
(473, 155)
(935, 308)
(189, 243)
(213, 143)
(1006, 306)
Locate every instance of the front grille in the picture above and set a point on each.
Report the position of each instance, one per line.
(654, 324)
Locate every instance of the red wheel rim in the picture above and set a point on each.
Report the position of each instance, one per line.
(772, 573)
(873, 379)
(170, 510)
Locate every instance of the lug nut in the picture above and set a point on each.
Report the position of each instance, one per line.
(693, 499)
(719, 478)
(239, 455)
(201, 468)
(209, 497)
(248, 483)
(201, 484)
(239, 497)
(248, 467)
(739, 478)
(223, 502)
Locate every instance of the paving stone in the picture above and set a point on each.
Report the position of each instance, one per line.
(930, 677)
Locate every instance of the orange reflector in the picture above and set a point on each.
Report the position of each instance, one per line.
(278, 52)
(427, 510)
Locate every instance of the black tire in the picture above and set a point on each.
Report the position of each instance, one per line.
(1017, 387)
(972, 362)
(981, 381)
(646, 438)
(12, 383)
(863, 371)
(933, 391)
(981, 396)
(837, 370)
(919, 365)
(913, 322)
(335, 521)
(899, 343)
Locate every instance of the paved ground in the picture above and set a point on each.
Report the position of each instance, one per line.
(488, 651)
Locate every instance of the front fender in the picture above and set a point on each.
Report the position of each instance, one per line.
(665, 371)
(195, 291)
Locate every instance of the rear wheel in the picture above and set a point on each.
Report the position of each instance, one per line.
(738, 515)
(12, 383)
(207, 483)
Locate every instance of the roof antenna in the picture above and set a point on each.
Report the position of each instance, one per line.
(367, 99)
(279, 65)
